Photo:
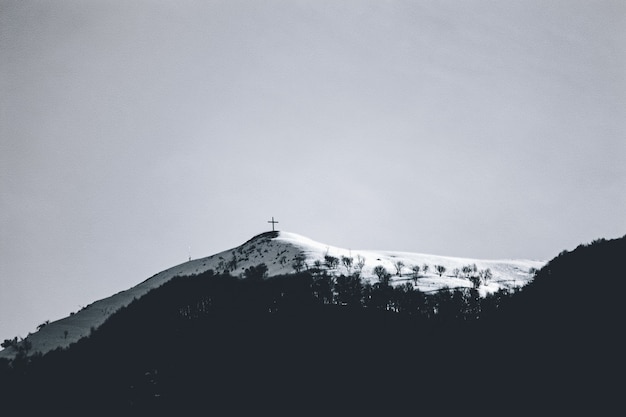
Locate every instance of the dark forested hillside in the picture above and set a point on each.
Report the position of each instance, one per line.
(313, 342)
(566, 329)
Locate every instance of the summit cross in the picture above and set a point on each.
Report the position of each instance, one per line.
(273, 222)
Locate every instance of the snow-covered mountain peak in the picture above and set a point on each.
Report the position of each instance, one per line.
(285, 253)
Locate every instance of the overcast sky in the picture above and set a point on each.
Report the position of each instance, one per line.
(133, 130)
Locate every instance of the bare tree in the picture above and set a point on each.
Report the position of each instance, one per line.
(415, 273)
(384, 277)
(467, 270)
(440, 269)
(475, 279)
(299, 262)
(485, 275)
(399, 265)
(232, 264)
(347, 263)
(360, 263)
(331, 262)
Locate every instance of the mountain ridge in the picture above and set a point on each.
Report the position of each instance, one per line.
(279, 250)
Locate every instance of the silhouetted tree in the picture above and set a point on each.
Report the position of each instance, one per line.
(232, 264)
(415, 273)
(475, 280)
(331, 262)
(399, 265)
(358, 267)
(258, 272)
(467, 270)
(384, 277)
(485, 275)
(317, 267)
(440, 269)
(347, 263)
(9, 343)
(471, 273)
(299, 262)
(42, 325)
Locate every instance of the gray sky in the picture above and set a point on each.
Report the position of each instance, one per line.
(130, 131)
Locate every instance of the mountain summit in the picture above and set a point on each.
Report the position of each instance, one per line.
(285, 253)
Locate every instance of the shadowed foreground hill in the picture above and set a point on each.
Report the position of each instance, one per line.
(567, 329)
(217, 344)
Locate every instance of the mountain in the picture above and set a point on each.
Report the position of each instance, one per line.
(211, 343)
(279, 251)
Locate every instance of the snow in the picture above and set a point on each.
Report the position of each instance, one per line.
(278, 253)
(505, 273)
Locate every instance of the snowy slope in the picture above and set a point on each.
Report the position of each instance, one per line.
(278, 251)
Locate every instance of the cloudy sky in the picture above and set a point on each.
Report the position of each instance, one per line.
(132, 131)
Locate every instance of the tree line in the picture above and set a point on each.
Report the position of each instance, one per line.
(308, 289)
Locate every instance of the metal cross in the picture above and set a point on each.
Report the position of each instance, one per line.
(273, 222)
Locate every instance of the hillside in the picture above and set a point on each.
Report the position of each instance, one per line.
(217, 344)
(279, 251)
